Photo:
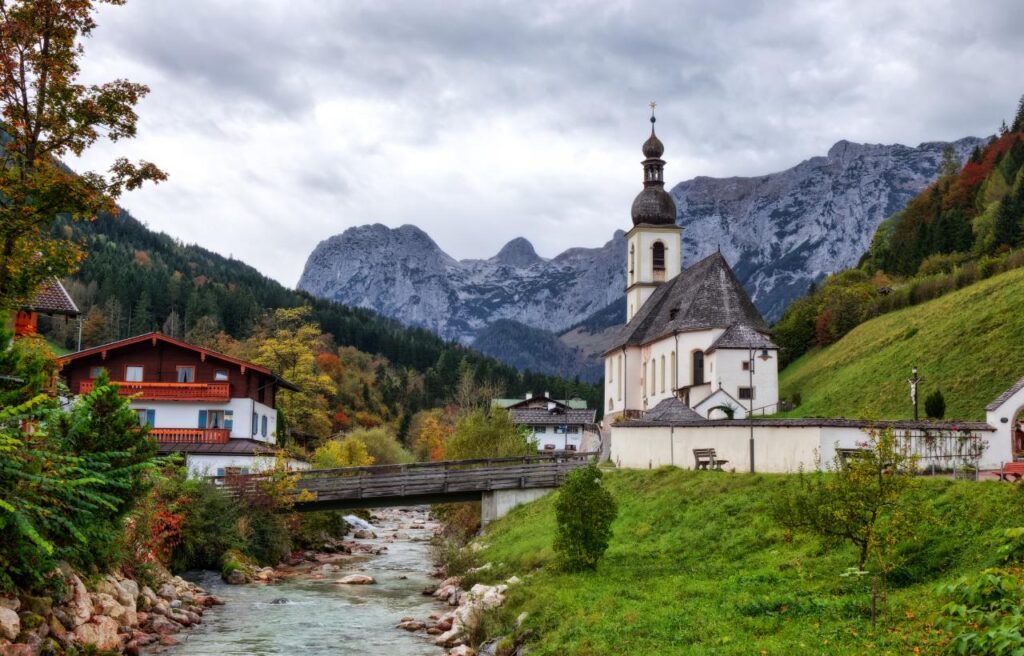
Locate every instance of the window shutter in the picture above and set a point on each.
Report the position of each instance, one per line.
(255, 423)
(202, 419)
(151, 418)
(229, 418)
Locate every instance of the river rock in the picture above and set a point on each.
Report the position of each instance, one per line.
(79, 604)
(100, 631)
(364, 534)
(10, 624)
(10, 603)
(411, 625)
(356, 579)
(169, 641)
(236, 577)
(462, 650)
(167, 591)
(279, 601)
(162, 626)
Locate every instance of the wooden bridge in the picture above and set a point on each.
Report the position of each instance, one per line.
(497, 482)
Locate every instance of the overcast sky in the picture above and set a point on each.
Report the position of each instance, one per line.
(282, 123)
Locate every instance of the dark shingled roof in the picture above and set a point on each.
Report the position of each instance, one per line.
(52, 298)
(670, 411)
(541, 417)
(231, 447)
(703, 296)
(741, 336)
(1005, 396)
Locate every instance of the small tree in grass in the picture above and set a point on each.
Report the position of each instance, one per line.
(863, 499)
(584, 511)
(935, 405)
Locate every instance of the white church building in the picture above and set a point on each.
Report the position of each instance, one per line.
(694, 369)
(691, 334)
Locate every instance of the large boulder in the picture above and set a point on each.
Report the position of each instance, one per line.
(100, 631)
(167, 591)
(10, 624)
(162, 626)
(357, 579)
(79, 604)
(129, 593)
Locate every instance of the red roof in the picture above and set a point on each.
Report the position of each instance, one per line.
(160, 337)
(52, 298)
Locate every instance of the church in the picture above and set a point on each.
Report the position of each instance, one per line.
(691, 334)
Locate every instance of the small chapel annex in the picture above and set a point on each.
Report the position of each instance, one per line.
(692, 334)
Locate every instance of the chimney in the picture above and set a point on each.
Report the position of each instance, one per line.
(529, 395)
(551, 406)
(547, 395)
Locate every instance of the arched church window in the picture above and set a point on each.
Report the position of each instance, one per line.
(698, 367)
(658, 256)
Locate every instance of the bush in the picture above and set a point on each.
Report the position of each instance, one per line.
(348, 452)
(382, 446)
(584, 512)
(935, 405)
(478, 435)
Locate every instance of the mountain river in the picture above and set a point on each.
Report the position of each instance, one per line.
(305, 616)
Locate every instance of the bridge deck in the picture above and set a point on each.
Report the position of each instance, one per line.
(423, 483)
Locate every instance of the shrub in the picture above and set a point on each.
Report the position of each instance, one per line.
(984, 610)
(478, 435)
(348, 452)
(584, 512)
(935, 405)
(382, 446)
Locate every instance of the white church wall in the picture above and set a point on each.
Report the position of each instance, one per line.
(640, 266)
(1000, 449)
(731, 376)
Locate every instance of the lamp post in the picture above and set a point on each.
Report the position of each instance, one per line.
(750, 400)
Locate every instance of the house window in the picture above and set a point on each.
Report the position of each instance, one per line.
(746, 393)
(94, 372)
(220, 375)
(560, 430)
(211, 419)
(540, 429)
(745, 365)
(186, 374)
(133, 373)
(658, 256)
(263, 426)
(146, 417)
(573, 430)
(698, 367)
(255, 423)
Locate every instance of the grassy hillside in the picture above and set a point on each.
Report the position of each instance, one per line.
(969, 344)
(698, 567)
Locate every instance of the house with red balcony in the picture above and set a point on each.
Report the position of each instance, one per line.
(217, 410)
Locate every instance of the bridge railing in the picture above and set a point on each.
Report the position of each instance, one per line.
(424, 477)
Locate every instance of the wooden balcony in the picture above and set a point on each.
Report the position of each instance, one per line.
(207, 392)
(191, 435)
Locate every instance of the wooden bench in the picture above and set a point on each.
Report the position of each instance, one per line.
(707, 459)
(1010, 469)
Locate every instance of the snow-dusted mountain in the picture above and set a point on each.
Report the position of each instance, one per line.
(778, 231)
(402, 273)
(783, 230)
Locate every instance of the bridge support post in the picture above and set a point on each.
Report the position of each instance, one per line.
(495, 504)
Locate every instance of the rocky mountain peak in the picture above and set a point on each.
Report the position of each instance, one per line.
(517, 253)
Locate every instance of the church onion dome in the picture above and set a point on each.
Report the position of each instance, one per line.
(654, 206)
(653, 148)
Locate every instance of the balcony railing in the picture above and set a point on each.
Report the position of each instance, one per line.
(210, 392)
(190, 435)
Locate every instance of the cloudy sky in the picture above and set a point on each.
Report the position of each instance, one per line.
(284, 122)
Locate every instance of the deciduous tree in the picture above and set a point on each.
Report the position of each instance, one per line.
(47, 114)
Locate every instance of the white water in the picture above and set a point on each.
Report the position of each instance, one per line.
(320, 616)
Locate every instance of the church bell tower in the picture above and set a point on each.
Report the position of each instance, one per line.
(654, 243)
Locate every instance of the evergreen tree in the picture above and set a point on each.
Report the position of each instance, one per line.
(950, 164)
(1007, 228)
(142, 316)
(1018, 122)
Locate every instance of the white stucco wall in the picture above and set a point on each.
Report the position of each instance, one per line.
(184, 414)
(1002, 418)
(208, 464)
(728, 373)
(777, 449)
